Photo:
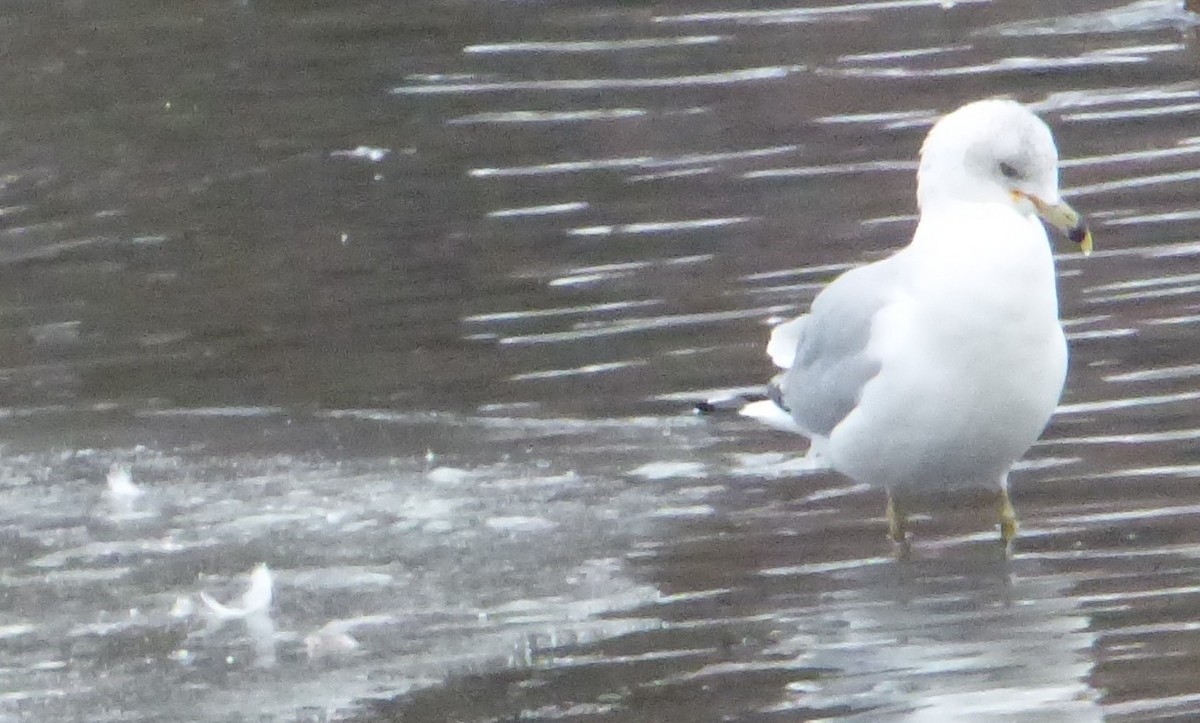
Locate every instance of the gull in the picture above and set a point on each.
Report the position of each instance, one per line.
(937, 367)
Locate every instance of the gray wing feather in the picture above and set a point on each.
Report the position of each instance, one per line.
(831, 364)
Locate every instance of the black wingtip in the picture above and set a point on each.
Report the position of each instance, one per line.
(726, 404)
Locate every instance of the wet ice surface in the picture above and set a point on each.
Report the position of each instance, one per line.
(345, 367)
(386, 575)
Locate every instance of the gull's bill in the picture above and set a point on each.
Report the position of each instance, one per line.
(1064, 218)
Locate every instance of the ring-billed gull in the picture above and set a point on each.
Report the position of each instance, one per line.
(939, 366)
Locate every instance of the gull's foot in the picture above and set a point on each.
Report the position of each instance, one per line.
(897, 521)
(1008, 519)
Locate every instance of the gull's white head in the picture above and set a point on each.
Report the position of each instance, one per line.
(996, 151)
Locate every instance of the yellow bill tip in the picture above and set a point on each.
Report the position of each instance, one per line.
(1082, 235)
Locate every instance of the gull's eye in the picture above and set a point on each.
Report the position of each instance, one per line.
(1009, 170)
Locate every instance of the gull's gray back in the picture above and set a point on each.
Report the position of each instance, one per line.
(831, 364)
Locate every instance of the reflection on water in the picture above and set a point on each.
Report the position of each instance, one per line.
(346, 356)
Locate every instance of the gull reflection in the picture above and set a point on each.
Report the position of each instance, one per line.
(953, 637)
(803, 608)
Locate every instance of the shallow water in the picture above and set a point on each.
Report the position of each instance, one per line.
(409, 306)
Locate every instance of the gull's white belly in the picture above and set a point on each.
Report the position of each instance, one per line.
(957, 399)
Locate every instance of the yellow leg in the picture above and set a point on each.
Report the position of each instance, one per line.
(1008, 517)
(897, 520)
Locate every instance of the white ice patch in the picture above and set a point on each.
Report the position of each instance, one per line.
(253, 609)
(368, 153)
(121, 489)
(670, 470)
(518, 523)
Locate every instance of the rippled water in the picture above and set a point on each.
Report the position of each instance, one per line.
(409, 304)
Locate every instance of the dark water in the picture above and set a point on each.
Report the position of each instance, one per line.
(407, 300)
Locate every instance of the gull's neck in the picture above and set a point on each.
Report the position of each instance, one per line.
(984, 240)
